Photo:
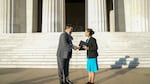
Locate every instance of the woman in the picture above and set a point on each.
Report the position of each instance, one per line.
(92, 65)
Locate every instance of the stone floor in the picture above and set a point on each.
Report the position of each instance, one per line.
(78, 76)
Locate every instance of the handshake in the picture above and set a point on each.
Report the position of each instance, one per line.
(82, 46)
(76, 47)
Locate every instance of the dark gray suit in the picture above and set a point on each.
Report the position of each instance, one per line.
(64, 53)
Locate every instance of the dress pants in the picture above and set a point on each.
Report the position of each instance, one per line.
(63, 69)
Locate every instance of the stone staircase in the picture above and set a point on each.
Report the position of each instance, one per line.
(38, 50)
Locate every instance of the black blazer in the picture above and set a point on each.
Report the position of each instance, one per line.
(92, 52)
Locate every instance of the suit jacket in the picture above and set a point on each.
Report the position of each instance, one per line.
(65, 46)
(92, 52)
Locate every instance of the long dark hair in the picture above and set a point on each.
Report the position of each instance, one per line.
(91, 32)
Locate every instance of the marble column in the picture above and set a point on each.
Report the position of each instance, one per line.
(53, 19)
(96, 15)
(112, 21)
(137, 15)
(29, 15)
(19, 16)
(5, 16)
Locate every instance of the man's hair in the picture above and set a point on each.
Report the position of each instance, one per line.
(68, 26)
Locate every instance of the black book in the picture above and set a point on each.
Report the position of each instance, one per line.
(81, 44)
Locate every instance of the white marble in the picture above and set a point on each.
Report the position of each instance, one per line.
(137, 15)
(29, 15)
(112, 21)
(53, 15)
(96, 15)
(39, 49)
(5, 16)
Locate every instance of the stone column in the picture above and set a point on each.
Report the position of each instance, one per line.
(29, 16)
(5, 16)
(19, 16)
(96, 15)
(53, 18)
(137, 15)
(112, 21)
(119, 15)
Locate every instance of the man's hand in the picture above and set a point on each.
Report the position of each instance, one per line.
(76, 47)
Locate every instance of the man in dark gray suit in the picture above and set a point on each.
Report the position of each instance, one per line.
(64, 53)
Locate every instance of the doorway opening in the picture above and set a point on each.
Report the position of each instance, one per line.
(75, 14)
(39, 25)
(37, 16)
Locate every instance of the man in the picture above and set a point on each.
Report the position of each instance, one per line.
(64, 53)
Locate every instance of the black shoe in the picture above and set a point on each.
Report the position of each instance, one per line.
(88, 83)
(62, 83)
(68, 82)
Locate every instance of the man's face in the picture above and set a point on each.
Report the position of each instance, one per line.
(70, 29)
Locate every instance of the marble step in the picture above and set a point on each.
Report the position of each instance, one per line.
(39, 50)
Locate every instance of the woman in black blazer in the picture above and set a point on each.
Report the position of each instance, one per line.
(92, 65)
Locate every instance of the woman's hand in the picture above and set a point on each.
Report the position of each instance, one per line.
(76, 47)
(85, 47)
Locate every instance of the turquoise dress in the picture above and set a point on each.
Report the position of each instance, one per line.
(92, 64)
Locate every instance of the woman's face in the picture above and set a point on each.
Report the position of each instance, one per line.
(87, 34)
